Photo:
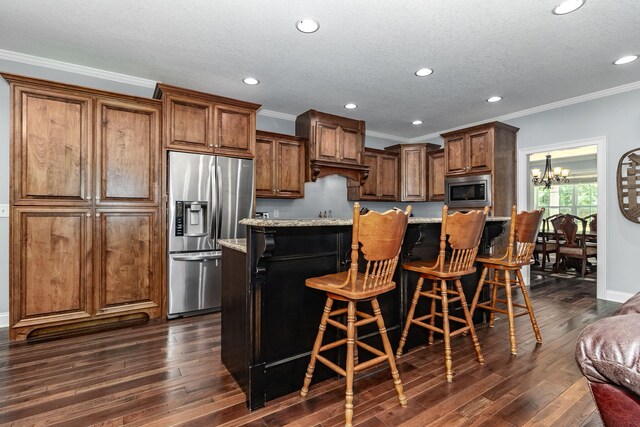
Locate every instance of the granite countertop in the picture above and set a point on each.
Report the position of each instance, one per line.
(236, 244)
(315, 222)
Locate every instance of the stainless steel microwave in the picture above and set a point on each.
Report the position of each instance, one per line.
(471, 191)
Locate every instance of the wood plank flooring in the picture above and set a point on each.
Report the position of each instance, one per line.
(170, 373)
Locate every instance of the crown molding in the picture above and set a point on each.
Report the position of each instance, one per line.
(37, 61)
(552, 106)
(277, 115)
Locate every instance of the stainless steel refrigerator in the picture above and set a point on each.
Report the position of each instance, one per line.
(208, 195)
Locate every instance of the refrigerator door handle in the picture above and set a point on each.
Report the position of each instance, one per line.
(213, 229)
(219, 202)
(196, 257)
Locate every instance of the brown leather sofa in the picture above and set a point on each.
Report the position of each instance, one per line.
(608, 354)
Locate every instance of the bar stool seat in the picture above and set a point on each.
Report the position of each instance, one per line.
(523, 233)
(379, 238)
(464, 232)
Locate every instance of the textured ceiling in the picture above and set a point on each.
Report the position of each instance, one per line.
(364, 52)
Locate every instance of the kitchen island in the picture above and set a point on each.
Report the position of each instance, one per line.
(270, 318)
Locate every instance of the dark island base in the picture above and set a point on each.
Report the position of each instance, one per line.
(270, 318)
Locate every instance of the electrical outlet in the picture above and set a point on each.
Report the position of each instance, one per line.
(276, 213)
(4, 210)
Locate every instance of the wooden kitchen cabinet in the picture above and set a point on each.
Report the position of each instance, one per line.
(85, 210)
(471, 150)
(50, 267)
(46, 172)
(127, 152)
(127, 252)
(435, 166)
(335, 145)
(412, 179)
(279, 166)
(487, 149)
(204, 123)
(382, 184)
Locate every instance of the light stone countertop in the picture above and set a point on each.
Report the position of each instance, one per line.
(236, 244)
(315, 222)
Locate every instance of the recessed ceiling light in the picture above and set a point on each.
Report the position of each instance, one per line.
(424, 72)
(494, 99)
(350, 106)
(307, 26)
(568, 6)
(251, 81)
(416, 122)
(626, 59)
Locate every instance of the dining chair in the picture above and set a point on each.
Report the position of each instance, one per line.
(575, 243)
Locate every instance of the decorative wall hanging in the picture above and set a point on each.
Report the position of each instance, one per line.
(629, 185)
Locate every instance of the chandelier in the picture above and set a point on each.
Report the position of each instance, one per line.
(550, 175)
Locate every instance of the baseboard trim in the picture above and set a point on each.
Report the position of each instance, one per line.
(617, 296)
(4, 320)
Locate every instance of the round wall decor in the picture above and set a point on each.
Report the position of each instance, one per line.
(629, 185)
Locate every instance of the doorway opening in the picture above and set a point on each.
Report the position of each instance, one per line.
(582, 195)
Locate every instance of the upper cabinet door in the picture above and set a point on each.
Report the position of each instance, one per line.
(388, 177)
(189, 124)
(290, 169)
(413, 164)
(436, 175)
(265, 167)
(455, 155)
(326, 142)
(350, 144)
(52, 146)
(127, 152)
(235, 130)
(480, 149)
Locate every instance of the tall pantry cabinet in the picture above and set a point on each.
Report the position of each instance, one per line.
(85, 207)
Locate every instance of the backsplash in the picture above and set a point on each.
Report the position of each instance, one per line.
(330, 193)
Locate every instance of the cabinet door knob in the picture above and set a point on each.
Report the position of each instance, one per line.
(88, 197)
(88, 214)
(97, 215)
(210, 145)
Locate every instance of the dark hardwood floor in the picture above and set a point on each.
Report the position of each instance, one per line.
(171, 374)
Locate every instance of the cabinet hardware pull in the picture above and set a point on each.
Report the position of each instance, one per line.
(210, 145)
(97, 215)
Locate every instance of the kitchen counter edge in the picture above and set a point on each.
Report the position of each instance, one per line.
(316, 222)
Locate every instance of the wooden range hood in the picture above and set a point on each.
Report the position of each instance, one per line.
(335, 146)
(355, 173)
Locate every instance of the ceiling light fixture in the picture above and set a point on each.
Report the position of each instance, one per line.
(422, 72)
(625, 59)
(550, 175)
(251, 81)
(350, 106)
(568, 6)
(494, 99)
(416, 122)
(307, 26)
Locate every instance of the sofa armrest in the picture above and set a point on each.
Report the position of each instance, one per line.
(608, 351)
(631, 306)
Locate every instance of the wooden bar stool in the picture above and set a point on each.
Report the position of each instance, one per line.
(522, 240)
(464, 231)
(379, 238)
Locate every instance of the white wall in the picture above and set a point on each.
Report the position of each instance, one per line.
(617, 118)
